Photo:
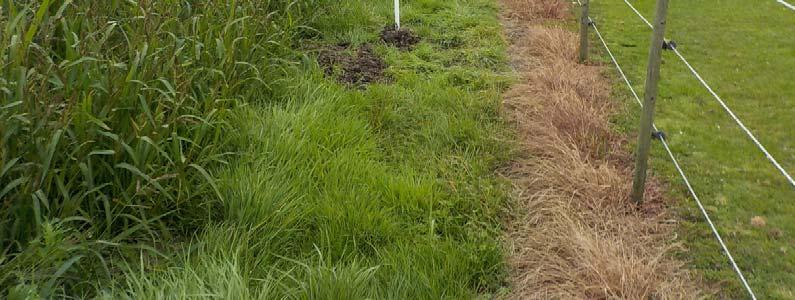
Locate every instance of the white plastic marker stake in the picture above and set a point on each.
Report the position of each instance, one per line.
(397, 14)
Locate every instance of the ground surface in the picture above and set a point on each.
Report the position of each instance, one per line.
(298, 150)
(216, 151)
(745, 50)
(385, 190)
(353, 67)
(574, 233)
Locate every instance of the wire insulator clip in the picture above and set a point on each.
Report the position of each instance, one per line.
(659, 135)
(669, 45)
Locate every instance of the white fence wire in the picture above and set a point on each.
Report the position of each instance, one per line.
(785, 3)
(723, 104)
(678, 168)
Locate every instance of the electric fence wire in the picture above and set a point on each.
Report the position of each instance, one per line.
(785, 3)
(678, 168)
(722, 104)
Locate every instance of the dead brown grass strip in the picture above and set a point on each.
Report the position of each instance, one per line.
(537, 9)
(577, 236)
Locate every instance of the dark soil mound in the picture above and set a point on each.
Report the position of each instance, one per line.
(358, 69)
(403, 39)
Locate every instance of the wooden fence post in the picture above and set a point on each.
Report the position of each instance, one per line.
(585, 22)
(649, 101)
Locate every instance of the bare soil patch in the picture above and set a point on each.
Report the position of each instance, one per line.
(403, 39)
(353, 67)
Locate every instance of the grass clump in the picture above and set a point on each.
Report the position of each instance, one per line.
(177, 150)
(538, 10)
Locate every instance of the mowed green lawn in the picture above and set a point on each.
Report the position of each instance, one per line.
(746, 51)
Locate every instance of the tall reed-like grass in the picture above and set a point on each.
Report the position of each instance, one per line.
(189, 149)
(112, 119)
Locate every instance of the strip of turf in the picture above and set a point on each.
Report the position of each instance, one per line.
(743, 49)
(383, 191)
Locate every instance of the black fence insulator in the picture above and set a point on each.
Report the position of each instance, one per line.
(659, 135)
(669, 45)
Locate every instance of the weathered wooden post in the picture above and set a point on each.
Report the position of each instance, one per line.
(649, 101)
(585, 22)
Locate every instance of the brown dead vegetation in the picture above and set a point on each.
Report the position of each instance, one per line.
(578, 236)
(550, 43)
(537, 9)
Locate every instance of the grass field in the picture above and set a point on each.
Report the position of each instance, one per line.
(745, 50)
(174, 149)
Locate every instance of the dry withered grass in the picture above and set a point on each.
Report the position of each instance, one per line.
(558, 43)
(586, 81)
(578, 236)
(537, 9)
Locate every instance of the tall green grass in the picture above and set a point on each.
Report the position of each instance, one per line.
(112, 114)
(213, 159)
